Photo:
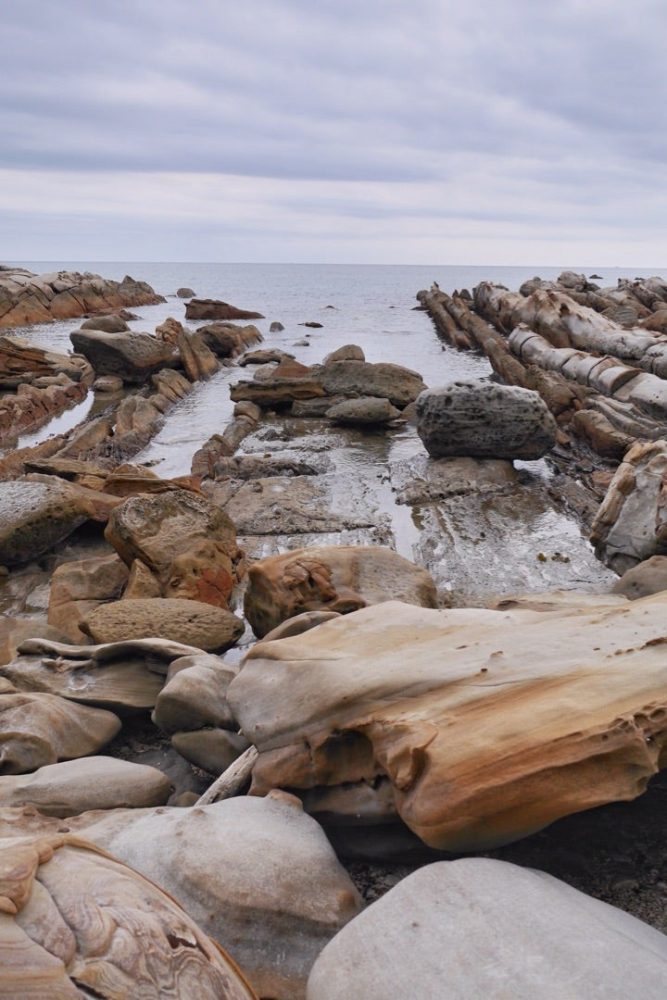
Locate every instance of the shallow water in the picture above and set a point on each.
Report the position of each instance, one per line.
(474, 546)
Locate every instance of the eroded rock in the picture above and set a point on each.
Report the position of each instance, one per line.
(209, 628)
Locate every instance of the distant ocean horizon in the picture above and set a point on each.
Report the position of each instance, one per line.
(372, 305)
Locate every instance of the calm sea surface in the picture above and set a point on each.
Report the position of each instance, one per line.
(372, 306)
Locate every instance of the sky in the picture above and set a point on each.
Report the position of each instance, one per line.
(360, 131)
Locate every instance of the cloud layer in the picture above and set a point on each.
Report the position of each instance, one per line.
(504, 132)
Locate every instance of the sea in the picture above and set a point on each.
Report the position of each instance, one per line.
(369, 305)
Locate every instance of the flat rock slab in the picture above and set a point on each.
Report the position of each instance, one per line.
(75, 786)
(420, 479)
(480, 544)
(295, 505)
(489, 724)
(485, 930)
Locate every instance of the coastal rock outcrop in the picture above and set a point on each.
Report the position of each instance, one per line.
(131, 356)
(647, 577)
(488, 724)
(78, 587)
(217, 310)
(338, 578)
(366, 411)
(39, 298)
(361, 378)
(483, 928)
(72, 920)
(227, 340)
(484, 420)
(212, 629)
(195, 696)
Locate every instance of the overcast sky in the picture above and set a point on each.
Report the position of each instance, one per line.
(373, 131)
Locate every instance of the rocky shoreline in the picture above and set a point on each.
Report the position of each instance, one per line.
(237, 684)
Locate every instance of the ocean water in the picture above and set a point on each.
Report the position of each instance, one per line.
(373, 306)
(472, 546)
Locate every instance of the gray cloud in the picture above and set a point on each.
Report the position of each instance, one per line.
(427, 117)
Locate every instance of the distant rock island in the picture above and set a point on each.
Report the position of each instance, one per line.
(41, 298)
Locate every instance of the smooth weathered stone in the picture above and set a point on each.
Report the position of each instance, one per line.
(188, 544)
(630, 525)
(484, 420)
(360, 378)
(194, 697)
(108, 383)
(185, 293)
(227, 340)
(191, 622)
(125, 685)
(478, 929)
(109, 324)
(349, 352)
(35, 516)
(489, 724)
(339, 578)
(239, 864)
(131, 356)
(647, 577)
(75, 786)
(76, 921)
(197, 358)
(211, 749)
(38, 729)
(369, 411)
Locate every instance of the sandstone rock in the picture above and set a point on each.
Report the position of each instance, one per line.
(78, 587)
(195, 697)
(420, 479)
(349, 352)
(299, 623)
(209, 628)
(74, 918)
(481, 928)
(630, 525)
(277, 392)
(227, 340)
(489, 724)
(245, 862)
(130, 356)
(371, 411)
(109, 324)
(484, 420)
(185, 293)
(108, 383)
(13, 631)
(125, 684)
(141, 583)
(197, 359)
(171, 384)
(656, 321)
(31, 298)
(35, 516)
(335, 578)
(218, 310)
(186, 542)
(169, 330)
(38, 729)
(646, 578)
(276, 327)
(212, 750)
(263, 466)
(74, 786)
(360, 378)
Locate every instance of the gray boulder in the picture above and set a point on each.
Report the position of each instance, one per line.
(131, 356)
(369, 411)
(34, 517)
(479, 929)
(484, 420)
(109, 324)
(648, 577)
(185, 293)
